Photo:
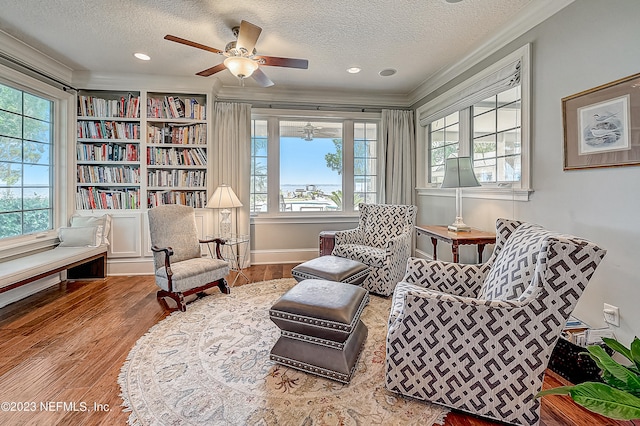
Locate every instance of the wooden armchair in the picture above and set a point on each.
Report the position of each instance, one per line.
(180, 269)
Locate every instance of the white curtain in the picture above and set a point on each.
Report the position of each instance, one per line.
(396, 158)
(231, 159)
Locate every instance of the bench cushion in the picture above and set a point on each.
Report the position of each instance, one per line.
(32, 265)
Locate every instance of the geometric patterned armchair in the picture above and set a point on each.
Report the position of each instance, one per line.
(478, 337)
(381, 241)
(180, 269)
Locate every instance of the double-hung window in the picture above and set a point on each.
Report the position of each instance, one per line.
(305, 164)
(26, 162)
(485, 118)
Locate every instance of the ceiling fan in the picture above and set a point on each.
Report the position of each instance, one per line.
(309, 131)
(241, 58)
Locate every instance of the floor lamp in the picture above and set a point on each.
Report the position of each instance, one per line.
(224, 199)
(458, 174)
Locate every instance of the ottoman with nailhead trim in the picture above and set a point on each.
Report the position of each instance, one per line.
(320, 328)
(331, 268)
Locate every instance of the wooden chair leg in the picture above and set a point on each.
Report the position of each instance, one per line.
(224, 286)
(177, 297)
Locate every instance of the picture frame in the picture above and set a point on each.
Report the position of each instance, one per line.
(602, 125)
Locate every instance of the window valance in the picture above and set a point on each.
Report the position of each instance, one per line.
(496, 82)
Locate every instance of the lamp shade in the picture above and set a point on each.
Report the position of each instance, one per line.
(458, 173)
(240, 66)
(223, 198)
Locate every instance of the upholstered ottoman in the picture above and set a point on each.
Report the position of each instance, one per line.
(331, 268)
(321, 330)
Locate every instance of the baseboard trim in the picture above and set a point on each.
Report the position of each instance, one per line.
(262, 257)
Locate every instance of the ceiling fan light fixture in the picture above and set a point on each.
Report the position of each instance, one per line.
(240, 66)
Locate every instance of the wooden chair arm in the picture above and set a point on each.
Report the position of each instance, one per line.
(218, 241)
(168, 252)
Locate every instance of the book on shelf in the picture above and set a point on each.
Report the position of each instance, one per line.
(580, 333)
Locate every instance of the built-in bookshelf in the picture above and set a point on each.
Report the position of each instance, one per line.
(131, 158)
(176, 149)
(109, 132)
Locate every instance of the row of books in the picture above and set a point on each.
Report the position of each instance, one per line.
(176, 157)
(94, 198)
(108, 174)
(107, 152)
(174, 107)
(581, 334)
(196, 199)
(177, 178)
(195, 134)
(125, 107)
(108, 130)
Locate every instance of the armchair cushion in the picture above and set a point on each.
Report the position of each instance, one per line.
(192, 273)
(368, 255)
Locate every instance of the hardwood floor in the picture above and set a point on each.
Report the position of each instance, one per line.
(66, 345)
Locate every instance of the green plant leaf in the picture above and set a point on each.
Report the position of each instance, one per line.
(635, 352)
(603, 399)
(618, 347)
(562, 390)
(620, 372)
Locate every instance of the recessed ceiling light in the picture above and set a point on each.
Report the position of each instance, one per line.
(453, 1)
(387, 72)
(142, 56)
(353, 70)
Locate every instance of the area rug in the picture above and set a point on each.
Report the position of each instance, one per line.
(210, 365)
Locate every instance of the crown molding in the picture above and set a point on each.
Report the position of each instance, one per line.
(275, 95)
(533, 14)
(31, 57)
(130, 81)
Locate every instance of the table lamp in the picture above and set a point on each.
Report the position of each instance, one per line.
(224, 198)
(458, 174)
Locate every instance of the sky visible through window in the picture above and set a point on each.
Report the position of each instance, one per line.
(303, 162)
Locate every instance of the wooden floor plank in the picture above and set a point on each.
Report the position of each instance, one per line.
(67, 344)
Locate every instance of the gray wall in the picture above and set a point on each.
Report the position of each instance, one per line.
(587, 44)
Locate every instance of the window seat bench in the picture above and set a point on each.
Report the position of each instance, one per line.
(79, 262)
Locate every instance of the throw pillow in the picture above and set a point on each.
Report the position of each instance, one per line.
(80, 236)
(104, 221)
(513, 269)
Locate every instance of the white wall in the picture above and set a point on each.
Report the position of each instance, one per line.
(587, 44)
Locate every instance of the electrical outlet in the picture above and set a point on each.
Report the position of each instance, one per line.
(611, 314)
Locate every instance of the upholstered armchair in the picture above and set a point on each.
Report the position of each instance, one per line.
(478, 337)
(381, 241)
(180, 269)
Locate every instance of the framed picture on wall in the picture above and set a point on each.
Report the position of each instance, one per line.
(602, 125)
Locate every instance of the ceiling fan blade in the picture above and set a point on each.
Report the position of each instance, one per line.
(212, 70)
(273, 61)
(261, 78)
(191, 43)
(248, 36)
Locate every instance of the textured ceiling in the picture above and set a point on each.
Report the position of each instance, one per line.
(416, 37)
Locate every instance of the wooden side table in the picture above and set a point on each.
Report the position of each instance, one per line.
(327, 242)
(456, 239)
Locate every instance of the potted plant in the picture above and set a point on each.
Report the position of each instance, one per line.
(618, 395)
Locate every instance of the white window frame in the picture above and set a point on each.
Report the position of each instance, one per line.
(63, 114)
(272, 116)
(459, 95)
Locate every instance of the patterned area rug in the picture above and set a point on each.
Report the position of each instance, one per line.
(210, 365)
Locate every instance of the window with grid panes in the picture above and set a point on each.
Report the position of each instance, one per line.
(259, 176)
(26, 152)
(444, 137)
(309, 175)
(497, 142)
